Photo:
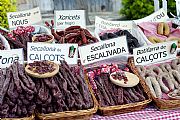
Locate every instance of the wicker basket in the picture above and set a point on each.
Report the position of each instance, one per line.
(160, 103)
(25, 118)
(120, 109)
(72, 115)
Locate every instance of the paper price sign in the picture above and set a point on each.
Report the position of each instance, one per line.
(105, 24)
(159, 16)
(103, 50)
(52, 52)
(7, 57)
(155, 53)
(66, 18)
(24, 18)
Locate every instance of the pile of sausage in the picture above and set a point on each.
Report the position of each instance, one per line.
(132, 42)
(163, 78)
(21, 95)
(66, 91)
(41, 67)
(19, 38)
(17, 93)
(175, 93)
(72, 34)
(42, 38)
(109, 94)
(1, 45)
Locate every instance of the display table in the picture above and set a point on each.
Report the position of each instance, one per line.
(150, 113)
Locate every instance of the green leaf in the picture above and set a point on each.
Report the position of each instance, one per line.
(6, 6)
(136, 9)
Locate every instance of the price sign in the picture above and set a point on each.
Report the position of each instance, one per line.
(52, 52)
(158, 16)
(103, 50)
(66, 18)
(24, 18)
(105, 24)
(7, 57)
(155, 53)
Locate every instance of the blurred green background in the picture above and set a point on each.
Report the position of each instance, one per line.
(6, 6)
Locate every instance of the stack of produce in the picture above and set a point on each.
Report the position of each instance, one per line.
(17, 93)
(162, 78)
(72, 34)
(109, 94)
(132, 42)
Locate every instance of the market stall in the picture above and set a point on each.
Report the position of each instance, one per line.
(122, 70)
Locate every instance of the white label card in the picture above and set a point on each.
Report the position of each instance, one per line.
(105, 24)
(7, 57)
(158, 16)
(52, 52)
(154, 53)
(178, 7)
(24, 18)
(67, 18)
(156, 5)
(103, 50)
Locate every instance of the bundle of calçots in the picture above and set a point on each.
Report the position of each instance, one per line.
(66, 91)
(17, 93)
(132, 42)
(72, 34)
(109, 94)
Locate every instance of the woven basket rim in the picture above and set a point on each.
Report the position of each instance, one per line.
(124, 106)
(70, 113)
(24, 118)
